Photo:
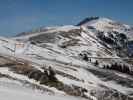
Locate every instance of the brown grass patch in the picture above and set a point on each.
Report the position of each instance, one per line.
(23, 68)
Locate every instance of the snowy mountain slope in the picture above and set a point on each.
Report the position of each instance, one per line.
(105, 24)
(72, 51)
(67, 40)
(12, 90)
(114, 33)
(89, 80)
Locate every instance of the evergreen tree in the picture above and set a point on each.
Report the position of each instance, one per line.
(96, 63)
(52, 74)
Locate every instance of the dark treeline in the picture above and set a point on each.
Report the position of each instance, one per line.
(120, 67)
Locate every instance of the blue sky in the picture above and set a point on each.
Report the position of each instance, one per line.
(22, 15)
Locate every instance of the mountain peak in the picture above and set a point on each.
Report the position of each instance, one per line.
(94, 19)
(88, 19)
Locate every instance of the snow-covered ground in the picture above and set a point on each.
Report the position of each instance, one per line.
(72, 70)
(12, 90)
